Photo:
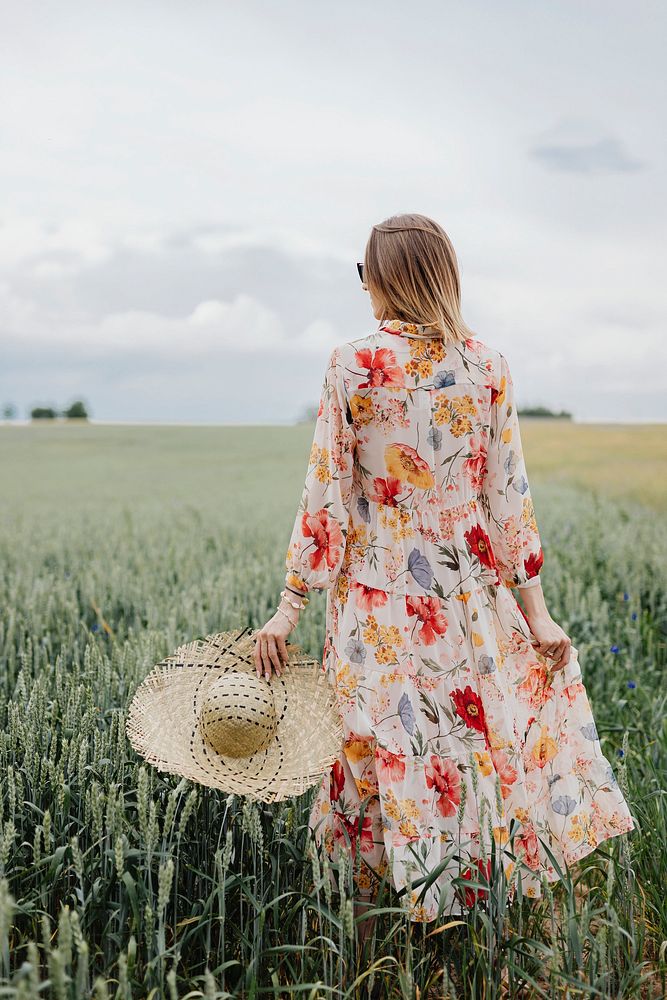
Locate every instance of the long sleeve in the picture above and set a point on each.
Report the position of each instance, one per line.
(317, 544)
(513, 530)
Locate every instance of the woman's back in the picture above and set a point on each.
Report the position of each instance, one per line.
(439, 481)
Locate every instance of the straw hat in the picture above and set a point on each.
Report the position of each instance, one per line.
(204, 713)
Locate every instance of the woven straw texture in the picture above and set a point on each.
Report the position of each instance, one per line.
(203, 713)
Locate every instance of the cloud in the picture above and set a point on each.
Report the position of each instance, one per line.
(213, 329)
(601, 156)
(579, 145)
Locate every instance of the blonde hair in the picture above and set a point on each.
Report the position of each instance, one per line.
(411, 267)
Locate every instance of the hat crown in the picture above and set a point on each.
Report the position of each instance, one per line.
(238, 715)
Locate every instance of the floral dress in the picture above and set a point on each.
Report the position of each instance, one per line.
(417, 518)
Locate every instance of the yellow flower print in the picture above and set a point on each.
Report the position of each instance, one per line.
(391, 806)
(357, 749)
(398, 519)
(408, 828)
(385, 655)
(460, 425)
(425, 368)
(545, 748)
(477, 639)
(362, 409)
(388, 637)
(500, 398)
(420, 914)
(506, 435)
(404, 462)
(443, 412)
(364, 788)
(528, 513)
(465, 596)
(501, 834)
(370, 633)
(484, 762)
(465, 405)
(521, 814)
(409, 807)
(346, 684)
(436, 349)
(357, 535)
(363, 879)
(388, 677)
(342, 590)
(356, 545)
(577, 827)
(322, 466)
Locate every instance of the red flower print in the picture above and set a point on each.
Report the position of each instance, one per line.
(381, 367)
(506, 772)
(480, 544)
(494, 392)
(336, 781)
(533, 564)
(352, 827)
(429, 612)
(470, 708)
(475, 466)
(527, 847)
(388, 765)
(481, 873)
(327, 536)
(534, 689)
(368, 597)
(443, 775)
(386, 490)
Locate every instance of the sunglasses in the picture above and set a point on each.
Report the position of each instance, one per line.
(360, 269)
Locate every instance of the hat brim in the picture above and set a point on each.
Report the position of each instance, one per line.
(163, 720)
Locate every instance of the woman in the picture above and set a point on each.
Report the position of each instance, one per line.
(464, 716)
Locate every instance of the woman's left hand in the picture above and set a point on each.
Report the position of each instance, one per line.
(270, 647)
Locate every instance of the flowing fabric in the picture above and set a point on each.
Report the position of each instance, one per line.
(417, 518)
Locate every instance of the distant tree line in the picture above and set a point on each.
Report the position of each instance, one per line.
(75, 411)
(543, 411)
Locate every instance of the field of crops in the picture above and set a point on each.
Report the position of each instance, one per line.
(118, 544)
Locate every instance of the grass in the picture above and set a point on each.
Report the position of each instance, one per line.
(117, 545)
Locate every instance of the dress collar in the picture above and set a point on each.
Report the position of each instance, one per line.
(402, 329)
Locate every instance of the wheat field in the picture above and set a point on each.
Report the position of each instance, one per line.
(119, 543)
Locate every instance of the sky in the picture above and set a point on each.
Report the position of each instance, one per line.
(186, 189)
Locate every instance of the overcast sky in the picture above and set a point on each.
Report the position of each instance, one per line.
(186, 187)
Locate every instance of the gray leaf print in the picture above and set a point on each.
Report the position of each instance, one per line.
(420, 568)
(355, 651)
(434, 438)
(486, 664)
(563, 805)
(406, 713)
(362, 507)
(509, 464)
(442, 379)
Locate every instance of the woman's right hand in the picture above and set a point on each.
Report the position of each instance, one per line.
(550, 639)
